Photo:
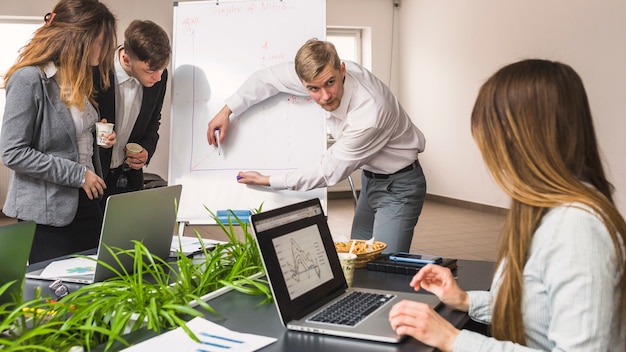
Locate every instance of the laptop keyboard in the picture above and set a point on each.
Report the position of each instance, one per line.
(351, 309)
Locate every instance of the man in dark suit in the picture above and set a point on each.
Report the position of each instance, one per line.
(133, 103)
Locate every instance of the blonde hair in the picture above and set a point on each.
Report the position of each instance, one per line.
(313, 57)
(533, 126)
(67, 37)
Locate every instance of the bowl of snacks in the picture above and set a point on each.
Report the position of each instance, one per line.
(365, 251)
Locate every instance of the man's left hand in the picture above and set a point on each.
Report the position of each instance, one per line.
(253, 178)
(138, 160)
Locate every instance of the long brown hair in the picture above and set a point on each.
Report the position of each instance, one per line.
(532, 123)
(66, 39)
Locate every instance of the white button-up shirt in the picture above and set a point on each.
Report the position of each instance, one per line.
(128, 99)
(84, 121)
(371, 129)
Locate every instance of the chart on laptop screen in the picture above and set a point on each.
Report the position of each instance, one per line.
(302, 260)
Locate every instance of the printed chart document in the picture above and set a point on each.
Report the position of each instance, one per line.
(70, 267)
(191, 245)
(213, 337)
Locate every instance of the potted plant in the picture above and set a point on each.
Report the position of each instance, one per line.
(103, 312)
(235, 264)
(40, 325)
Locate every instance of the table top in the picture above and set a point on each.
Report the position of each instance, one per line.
(245, 313)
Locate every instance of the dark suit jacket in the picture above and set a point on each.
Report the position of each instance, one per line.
(145, 131)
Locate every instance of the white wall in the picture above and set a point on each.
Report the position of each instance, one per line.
(443, 50)
(376, 17)
(447, 48)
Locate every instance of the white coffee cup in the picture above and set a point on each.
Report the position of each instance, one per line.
(103, 130)
(133, 148)
(347, 260)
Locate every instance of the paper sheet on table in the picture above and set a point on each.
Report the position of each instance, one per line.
(191, 245)
(70, 267)
(212, 336)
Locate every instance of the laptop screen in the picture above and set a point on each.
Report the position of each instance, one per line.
(299, 257)
(147, 216)
(16, 240)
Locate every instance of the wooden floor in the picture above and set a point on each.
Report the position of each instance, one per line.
(442, 229)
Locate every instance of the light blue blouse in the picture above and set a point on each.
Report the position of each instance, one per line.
(571, 290)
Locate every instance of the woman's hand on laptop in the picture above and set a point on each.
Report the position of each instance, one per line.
(419, 320)
(441, 282)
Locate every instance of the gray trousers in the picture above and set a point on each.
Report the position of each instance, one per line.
(389, 208)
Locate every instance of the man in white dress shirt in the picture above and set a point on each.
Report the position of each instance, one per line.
(372, 132)
(133, 103)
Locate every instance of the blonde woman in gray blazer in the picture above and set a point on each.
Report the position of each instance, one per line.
(48, 129)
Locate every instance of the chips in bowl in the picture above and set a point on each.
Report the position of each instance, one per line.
(364, 251)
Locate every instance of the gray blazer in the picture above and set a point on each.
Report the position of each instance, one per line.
(38, 142)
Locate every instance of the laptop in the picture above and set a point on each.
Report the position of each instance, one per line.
(305, 276)
(16, 240)
(148, 216)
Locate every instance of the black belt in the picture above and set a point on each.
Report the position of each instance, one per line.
(373, 175)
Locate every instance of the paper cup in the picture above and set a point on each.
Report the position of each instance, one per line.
(347, 261)
(133, 148)
(102, 131)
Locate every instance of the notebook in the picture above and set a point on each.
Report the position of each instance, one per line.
(148, 216)
(16, 240)
(305, 276)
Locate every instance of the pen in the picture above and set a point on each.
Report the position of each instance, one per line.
(217, 139)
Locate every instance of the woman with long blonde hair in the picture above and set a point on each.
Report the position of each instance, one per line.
(48, 128)
(560, 281)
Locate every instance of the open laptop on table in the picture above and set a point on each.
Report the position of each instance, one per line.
(148, 216)
(16, 240)
(305, 276)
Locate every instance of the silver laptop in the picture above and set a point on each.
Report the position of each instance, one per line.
(148, 216)
(16, 240)
(305, 276)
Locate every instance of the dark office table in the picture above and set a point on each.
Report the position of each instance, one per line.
(244, 313)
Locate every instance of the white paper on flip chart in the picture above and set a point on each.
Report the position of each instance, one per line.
(213, 337)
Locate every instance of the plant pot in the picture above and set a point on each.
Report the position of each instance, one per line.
(207, 297)
(214, 294)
